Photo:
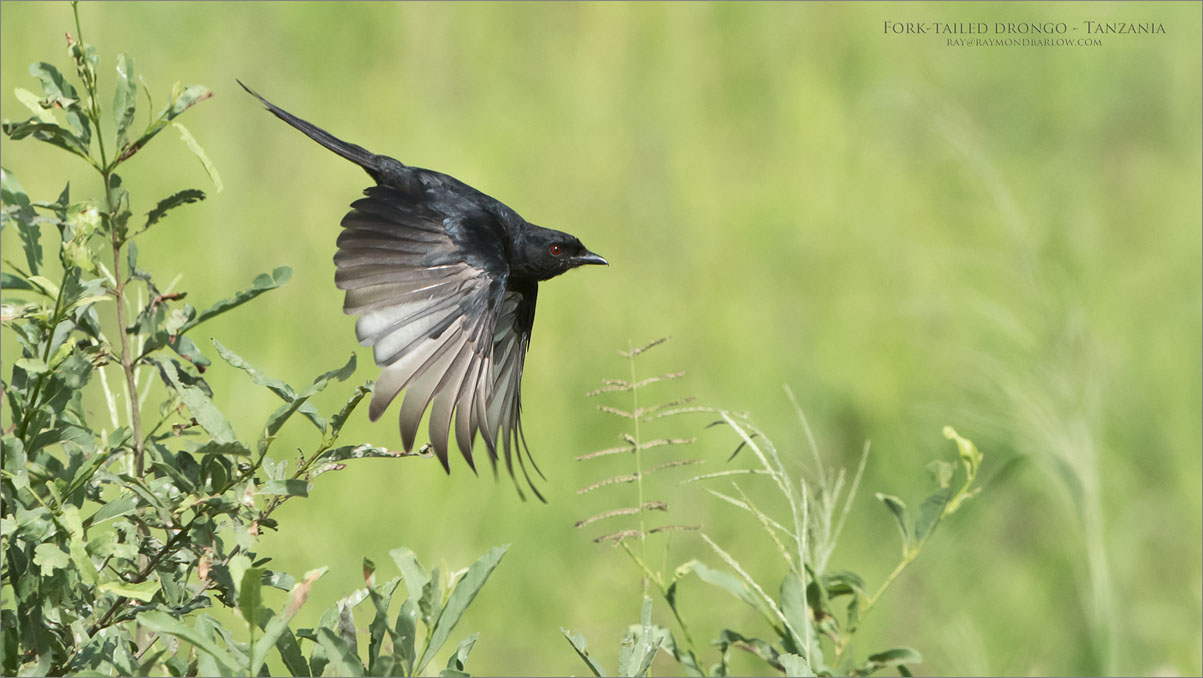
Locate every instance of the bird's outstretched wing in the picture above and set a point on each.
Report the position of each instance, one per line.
(430, 283)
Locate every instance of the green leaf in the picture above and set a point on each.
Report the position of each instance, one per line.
(930, 513)
(338, 420)
(124, 97)
(275, 630)
(32, 366)
(843, 582)
(50, 558)
(339, 374)
(756, 646)
(342, 659)
(200, 154)
(18, 207)
(895, 657)
(292, 487)
(971, 459)
(432, 597)
(793, 606)
(180, 101)
(58, 91)
(461, 597)
(10, 282)
(250, 597)
(404, 627)
(794, 665)
(184, 197)
(728, 582)
(277, 386)
(207, 415)
(412, 572)
(60, 94)
(382, 597)
(361, 452)
(899, 510)
(144, 591)
(33, 103)
(262, 283)
(234, 448)
(118, 507)
(460, 657)
(640, 645)
(161, 622)
(577, 641)
(45, 131)
(941, 472)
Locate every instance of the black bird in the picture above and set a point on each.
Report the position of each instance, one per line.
(444, 280)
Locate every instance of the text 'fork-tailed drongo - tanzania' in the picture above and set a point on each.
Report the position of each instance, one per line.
(444, 280)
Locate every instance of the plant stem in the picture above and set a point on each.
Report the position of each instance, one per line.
(638, 463)
(127, 363)
(31, 407)
(902, 565)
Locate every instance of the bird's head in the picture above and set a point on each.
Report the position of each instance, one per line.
(542, 253)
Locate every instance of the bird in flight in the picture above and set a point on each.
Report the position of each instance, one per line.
(443, 279)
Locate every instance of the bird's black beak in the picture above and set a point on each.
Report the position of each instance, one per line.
(589, 258)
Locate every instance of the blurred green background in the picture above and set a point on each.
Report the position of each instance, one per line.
(908, 234)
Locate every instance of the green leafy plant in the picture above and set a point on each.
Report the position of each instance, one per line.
(119, 534)
(802, 514)
(640, 645)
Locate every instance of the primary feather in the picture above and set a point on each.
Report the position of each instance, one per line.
(444, 280)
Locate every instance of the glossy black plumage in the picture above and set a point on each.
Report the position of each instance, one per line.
(444, 280)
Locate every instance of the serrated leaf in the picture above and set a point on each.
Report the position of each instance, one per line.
(461, 597)
(184, 197)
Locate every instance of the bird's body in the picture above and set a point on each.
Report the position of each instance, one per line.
(444, 280)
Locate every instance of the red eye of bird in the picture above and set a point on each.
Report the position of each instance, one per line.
(556, 250)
